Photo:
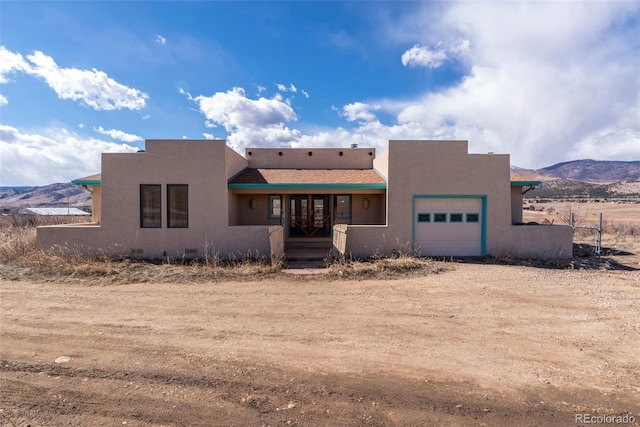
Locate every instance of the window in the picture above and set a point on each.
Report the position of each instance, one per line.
(343, 206)
(473, 217)
(455, 217)
(150, 206)
(424, 217)
(177, 206)
(274, 207)
(440, 217)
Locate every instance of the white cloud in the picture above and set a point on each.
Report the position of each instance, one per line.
(545, 81)
(146, 117)
(422, 56)
(261, 89)
(118, 134)
(181, 91)
(238, 114)
(208, 136)
(9, 63)
(3, 100)
(160, 40)
(58, 155)
(461, 48)
(359, 111)
(93, 88)
(305, 93)
(81, 125)
(291, 88)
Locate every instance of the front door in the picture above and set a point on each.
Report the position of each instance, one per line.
(309, 215)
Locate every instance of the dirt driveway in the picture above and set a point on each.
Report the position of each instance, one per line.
(476, 345)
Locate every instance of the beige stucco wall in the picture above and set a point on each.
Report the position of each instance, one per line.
(256, 215)
(381, 163)
(445, 168)
(321, 158)
(540, 241)
(96, 204)
(412, 167)
(516, 205)
(234, 162)
(202, 165)
(375, 214)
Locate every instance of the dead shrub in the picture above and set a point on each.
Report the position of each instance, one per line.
(619, 228)
(380, 267)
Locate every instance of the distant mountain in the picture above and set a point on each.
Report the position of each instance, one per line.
(569, 188)
(54, 195)
(590, 170)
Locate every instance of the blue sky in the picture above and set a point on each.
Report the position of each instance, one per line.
(543, 81)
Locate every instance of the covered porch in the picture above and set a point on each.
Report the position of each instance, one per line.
(307, 203)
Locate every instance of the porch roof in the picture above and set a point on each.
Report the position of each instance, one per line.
(308, 178)
(88, 180)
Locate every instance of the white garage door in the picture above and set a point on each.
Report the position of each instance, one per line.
(448, 226)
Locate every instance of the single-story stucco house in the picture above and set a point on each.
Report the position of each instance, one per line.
(188, 198)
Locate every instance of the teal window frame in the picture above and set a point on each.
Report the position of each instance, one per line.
(272, 199)
(437, 214)
(428, 214)
(477, 220)
(451, 214)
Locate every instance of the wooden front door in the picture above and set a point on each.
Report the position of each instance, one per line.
(309, 215)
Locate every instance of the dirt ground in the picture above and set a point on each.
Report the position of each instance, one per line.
(475, 345)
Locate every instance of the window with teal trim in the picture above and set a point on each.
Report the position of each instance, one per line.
(343, 206)
(275, 206)
(455, 217)
(424, 217)
(439, 217)
(473, 217)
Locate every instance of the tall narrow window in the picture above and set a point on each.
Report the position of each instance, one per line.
(177, 206)
(150, 216)
(343, 206)
(274, 207)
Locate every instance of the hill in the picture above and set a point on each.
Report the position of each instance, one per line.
(573, 189)
(599, 171)
(53, 195)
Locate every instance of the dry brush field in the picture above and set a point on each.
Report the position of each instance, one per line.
(396, 342)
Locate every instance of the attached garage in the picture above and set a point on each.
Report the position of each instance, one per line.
(446, 225)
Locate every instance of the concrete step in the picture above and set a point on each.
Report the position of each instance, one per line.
(306, 254)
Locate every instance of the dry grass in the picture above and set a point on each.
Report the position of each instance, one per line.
(382, 268)
(20, 259)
